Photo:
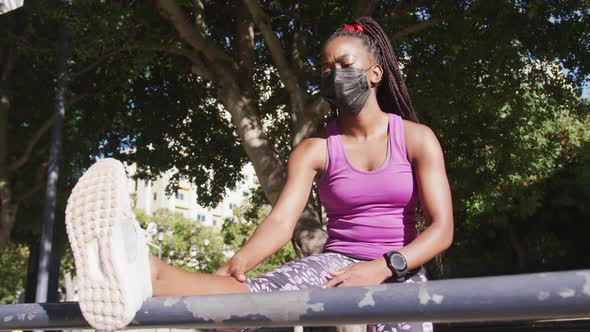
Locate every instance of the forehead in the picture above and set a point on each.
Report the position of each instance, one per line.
(344, 45)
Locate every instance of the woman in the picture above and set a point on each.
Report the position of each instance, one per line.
(374, 165)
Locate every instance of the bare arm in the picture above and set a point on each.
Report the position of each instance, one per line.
(277, 228)
(435, 198)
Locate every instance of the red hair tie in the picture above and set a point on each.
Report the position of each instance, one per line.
(353, 27)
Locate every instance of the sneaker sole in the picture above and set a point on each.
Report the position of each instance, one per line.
(94, 209)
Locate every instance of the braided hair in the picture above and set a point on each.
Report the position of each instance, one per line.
(393, 97)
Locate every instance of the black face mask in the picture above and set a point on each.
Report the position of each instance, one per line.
(347, 89)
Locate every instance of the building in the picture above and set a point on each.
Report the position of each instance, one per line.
(8, 5)
(150, 196)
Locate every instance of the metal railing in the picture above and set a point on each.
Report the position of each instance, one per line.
(554, 295)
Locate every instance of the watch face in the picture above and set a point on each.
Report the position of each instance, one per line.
(398, 262)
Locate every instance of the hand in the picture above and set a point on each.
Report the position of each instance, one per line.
(234, 267)
(360, 274)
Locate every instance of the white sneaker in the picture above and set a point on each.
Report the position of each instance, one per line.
(109, 247)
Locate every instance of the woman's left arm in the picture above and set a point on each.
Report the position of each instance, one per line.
(426, 156)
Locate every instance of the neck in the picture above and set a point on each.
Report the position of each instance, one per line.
(367, 123)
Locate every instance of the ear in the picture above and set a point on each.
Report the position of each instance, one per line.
(375, 75)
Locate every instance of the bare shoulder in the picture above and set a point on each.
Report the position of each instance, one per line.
(311, 152)
(420, 141)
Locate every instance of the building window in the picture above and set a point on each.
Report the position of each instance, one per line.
(201, 217)
(154, 195)
(232, 206)
(180, 196)
(214, 222)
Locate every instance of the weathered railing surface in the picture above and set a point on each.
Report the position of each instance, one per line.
(554, 295)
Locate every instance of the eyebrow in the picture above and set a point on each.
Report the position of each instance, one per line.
(339, 58)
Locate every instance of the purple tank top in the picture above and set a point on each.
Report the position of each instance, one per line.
(369, 213)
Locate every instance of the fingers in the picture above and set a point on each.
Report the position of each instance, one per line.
(239, 276)
(222, 271)
(339, 272)
(335, 282)
(227, 272)
(339, 277)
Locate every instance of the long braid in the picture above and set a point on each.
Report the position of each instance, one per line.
(392, 94)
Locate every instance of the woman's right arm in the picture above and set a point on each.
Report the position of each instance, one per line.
(305, 161)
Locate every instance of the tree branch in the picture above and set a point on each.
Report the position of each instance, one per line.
(189, 33)
(31, 190)
(100, 60)
(364, 7)
(8, 64)
(400, 7)
(199, 62)
(288, 76)
(199, 20)
(473, 6)
(32, 142)
(29, 193)
(429, 23)
(245, 44)
(416, 28)
(317, 108)
(297, 55)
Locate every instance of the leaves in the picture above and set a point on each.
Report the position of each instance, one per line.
(184, 242)
(237, 230)
(498, 83)
(14, 260)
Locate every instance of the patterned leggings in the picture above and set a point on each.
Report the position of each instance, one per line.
(312, 271)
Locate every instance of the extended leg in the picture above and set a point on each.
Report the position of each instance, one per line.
(171, 281)
(112, 259)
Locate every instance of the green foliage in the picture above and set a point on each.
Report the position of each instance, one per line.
(13, 260)
(489, 82)
(186, 243)
(527, 158)
(237, 230)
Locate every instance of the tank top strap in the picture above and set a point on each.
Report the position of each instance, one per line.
(398, 141)
(334, 146)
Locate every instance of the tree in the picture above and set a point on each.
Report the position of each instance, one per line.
(185, 244)
(156, 87)
(239, 97)
(14, 267)
(237, 230)
(532, 142)
(222, 56)
(22, 125)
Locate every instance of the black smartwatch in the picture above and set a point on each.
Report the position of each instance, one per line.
(396, 262)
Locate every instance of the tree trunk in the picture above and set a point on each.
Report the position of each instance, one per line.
(7, 206)
(519, 248)
(308, 238)
(235, 91)
(7, 213)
